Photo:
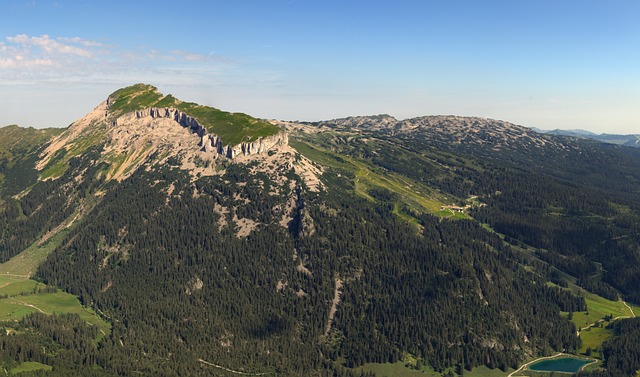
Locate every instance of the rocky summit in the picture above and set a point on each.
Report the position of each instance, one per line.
(130, 127)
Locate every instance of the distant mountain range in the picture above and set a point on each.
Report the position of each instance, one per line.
(632, 140)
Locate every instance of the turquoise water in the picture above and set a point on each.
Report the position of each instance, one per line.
(564, 364)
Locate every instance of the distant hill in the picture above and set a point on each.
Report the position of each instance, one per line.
(632, 140)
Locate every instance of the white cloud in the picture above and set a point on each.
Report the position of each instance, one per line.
(7, 63)
(80, 41)
(46, 59)
(51, 46)
(192, 57)
(20, 61)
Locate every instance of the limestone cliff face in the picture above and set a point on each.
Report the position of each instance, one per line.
(261, 145)
(210, 142)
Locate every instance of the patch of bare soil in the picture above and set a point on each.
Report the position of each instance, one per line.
(309, 174)
(223, 212)
(334, 306)
(193, 286)
(83, 209)
(303, 269)
(300, 267)
(245, 226)
(65, 139)
(287, 212)
(278, 161)
(170, 190)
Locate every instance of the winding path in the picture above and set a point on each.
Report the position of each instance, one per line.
(20, 302)
(525, 365)
(633, 314)
(16, 275)
(231, 370)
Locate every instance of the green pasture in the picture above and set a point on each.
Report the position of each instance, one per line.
(14, 286)
(22, 295)
(16, 307)
(30, 366)
(592, 338)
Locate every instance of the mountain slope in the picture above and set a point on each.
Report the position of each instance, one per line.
(550, 193)
(135, 122)
(451, 242)
(19, 148)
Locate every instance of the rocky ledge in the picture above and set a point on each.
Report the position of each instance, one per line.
(210, 142)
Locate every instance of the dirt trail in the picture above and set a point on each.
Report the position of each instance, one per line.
(20, 302)
(633, 314)
(16, 275)
(525, 365)
(231, 370)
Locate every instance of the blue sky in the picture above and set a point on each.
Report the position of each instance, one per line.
(547, 64)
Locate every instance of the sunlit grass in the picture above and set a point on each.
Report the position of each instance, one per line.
(14, 308)
(30, 366)
(412, 194)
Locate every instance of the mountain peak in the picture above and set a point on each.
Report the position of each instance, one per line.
(136, 121)
(136, 97)
(231, 128)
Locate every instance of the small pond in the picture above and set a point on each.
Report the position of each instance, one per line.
(562, 364)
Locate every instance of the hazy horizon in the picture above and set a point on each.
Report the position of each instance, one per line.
(545, 64)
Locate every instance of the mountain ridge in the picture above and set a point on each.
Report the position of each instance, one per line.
(628, 140)
(134, 106)
(440, 241)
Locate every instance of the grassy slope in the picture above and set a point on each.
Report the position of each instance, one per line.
(30, 366)
(22, 292)
(420, 198)
(18, 153)
(232, 128)
(416, 196)
(25, 263)
(17, 306)
(597, 308)
(15, 141)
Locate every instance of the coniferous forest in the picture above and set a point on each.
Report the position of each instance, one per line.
(325, 281)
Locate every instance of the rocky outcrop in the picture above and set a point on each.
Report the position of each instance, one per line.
(210, 142)
(371, 123)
